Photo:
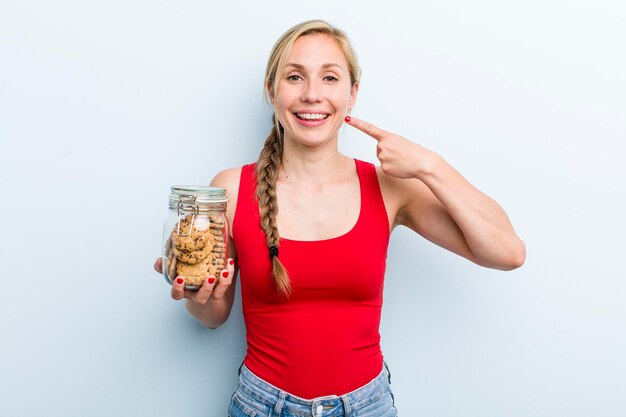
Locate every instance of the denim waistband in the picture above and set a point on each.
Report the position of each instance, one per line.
(272, 396)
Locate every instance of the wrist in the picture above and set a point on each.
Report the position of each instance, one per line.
(429, 164)
(212, 314)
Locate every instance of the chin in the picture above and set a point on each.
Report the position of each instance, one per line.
(312, 141)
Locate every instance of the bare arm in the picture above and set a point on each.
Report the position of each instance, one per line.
(446, 209)
(436, 201)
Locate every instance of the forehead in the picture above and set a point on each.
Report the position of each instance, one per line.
(316, 50)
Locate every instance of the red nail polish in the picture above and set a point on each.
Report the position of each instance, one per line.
(211, 280)
(347, 118)
(232, 262)
(179, 280)
(225, 274)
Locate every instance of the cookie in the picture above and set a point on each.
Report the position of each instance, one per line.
(196, 248)
(218, 263)
(219, 250)
(195, 274)
(193, 257)
(191, 237)
(170, 261)
(171, 267)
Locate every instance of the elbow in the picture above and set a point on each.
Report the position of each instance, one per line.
(506, 259)
(516, 256)
(214, 324)
(215, 321)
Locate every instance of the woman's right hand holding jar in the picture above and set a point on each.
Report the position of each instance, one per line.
(212, 302)
(213, 287)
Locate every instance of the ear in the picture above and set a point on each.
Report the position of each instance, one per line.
(353, 94)
(270, 91)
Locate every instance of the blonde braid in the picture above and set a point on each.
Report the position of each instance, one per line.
(267, 169)
(270, 160)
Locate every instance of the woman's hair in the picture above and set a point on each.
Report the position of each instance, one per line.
(270, 159)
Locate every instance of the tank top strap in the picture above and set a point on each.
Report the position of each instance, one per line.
(374, 213)
(247, 183)
(247, 210)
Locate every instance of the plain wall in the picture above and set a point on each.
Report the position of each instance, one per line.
(104, 105)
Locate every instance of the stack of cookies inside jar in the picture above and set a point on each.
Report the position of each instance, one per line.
(196, 244)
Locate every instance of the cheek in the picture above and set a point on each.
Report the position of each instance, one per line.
(281, 105)
(342, 98)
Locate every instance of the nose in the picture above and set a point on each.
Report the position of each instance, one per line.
(311, 92)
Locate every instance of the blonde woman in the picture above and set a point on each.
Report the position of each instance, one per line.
(310, 230)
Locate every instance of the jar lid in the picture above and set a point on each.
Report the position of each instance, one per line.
(202, 193)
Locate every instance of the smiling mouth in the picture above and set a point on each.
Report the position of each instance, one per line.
(312, 116)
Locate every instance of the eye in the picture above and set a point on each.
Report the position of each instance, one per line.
(294, 77)
(331, 78)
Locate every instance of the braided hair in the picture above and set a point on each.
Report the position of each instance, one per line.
(270, 160)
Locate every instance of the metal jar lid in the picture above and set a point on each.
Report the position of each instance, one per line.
(202, 194)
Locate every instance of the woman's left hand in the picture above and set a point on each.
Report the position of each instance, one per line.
(398, 156)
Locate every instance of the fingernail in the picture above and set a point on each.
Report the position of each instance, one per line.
(225, 274)
(211, 280)
(232, 262)
(347, 118)
(179, 280)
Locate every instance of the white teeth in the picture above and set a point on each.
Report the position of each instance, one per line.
(312, 116)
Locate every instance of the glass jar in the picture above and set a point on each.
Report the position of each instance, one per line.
(195, 235)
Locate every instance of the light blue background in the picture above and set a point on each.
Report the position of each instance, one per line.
(104, 105)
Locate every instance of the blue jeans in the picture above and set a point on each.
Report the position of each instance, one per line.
(257, 398)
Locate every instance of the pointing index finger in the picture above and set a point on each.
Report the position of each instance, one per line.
(365, 127)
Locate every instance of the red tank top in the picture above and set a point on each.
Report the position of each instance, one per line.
(324, 339)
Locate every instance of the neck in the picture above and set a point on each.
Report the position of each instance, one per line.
(312, 164)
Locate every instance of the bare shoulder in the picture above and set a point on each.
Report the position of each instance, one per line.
(228, 179)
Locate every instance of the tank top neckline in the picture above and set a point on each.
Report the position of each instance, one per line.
(352, 229)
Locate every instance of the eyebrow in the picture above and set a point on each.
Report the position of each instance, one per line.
(324, 66)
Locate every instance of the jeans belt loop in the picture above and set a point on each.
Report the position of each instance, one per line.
(347, 410)
(279, 404)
